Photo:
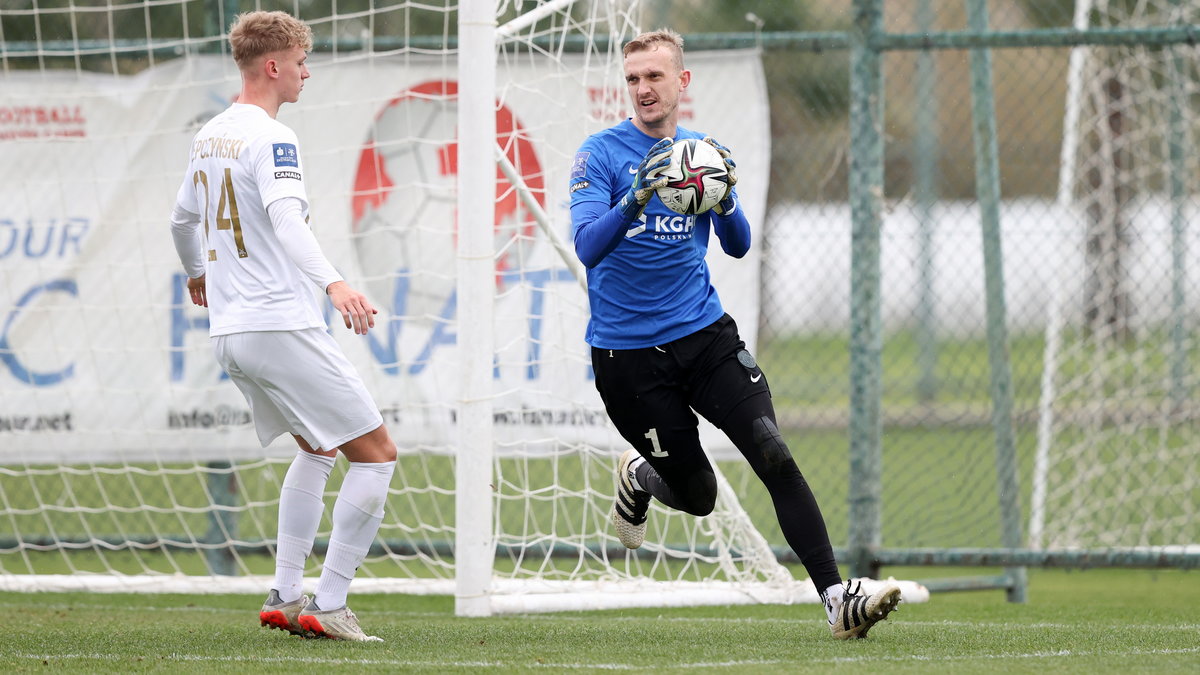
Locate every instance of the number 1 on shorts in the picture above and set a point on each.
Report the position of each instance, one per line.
(653, 436)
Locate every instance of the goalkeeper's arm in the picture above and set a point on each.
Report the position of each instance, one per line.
(731, 227)
(599, 230)
(728, 221)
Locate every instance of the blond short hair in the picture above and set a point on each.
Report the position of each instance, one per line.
(663, 37)
(255, 34)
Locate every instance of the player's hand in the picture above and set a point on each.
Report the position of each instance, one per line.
(726, 204)
(198, 290)
(647, 179)
(356, 310)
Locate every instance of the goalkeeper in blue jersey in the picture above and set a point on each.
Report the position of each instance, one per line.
(664, 349)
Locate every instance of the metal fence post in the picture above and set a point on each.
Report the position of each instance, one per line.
(866, 335)
(987, 186)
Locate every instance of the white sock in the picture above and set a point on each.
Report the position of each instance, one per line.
(357, 514)
(300, 509)
(833, 600)
(637, 461)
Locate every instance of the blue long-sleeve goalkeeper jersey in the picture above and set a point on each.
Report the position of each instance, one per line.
(648, 282)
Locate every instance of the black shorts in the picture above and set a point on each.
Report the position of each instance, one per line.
(650, 394)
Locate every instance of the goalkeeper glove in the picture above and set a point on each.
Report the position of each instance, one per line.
(646, 180)
(727, 203)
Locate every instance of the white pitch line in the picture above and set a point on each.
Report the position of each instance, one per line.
(199, 609)
(559, 618)
(892, 622)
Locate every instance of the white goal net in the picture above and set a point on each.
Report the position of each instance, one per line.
(127, 460)
(1118, 459)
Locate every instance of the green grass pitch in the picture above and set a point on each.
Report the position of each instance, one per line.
(939, 492)
(1117, 621)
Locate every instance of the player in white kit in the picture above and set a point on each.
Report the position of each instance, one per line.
(240, 226)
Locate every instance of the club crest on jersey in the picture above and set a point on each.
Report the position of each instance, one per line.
(579, 166)
(285, 154)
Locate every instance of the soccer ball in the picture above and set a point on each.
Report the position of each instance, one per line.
(696, 178)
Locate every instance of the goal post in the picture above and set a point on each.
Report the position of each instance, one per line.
(474, 537)
(724, 560)
(1117, 449)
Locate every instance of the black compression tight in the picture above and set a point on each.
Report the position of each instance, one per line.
(752, 428)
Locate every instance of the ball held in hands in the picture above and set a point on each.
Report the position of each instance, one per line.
(699, 177)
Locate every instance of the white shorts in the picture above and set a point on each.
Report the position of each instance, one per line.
(298, 382)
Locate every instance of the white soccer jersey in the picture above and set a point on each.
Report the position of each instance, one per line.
(242, 160)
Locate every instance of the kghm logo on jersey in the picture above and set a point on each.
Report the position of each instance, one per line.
(668, 228)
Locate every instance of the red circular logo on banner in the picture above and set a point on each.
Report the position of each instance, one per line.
(404, 206)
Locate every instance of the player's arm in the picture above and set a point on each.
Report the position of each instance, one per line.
(599, 228)
(185, 232)
(302, 248)
(728, 219)
(732, 228)
(287, 218)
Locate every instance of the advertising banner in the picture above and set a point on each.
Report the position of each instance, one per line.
(104, 359)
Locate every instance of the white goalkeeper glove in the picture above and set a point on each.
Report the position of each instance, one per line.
(647, 179)
(726, 205)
